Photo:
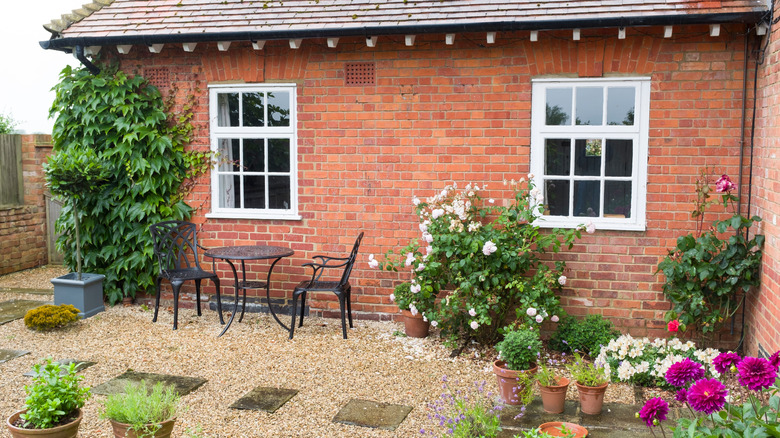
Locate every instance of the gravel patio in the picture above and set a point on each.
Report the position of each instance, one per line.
(328, 371)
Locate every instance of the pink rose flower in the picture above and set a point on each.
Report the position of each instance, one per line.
(673, 325)
(724, 184)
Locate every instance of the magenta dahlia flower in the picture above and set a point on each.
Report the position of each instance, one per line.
(681, 395)
(655, 409)
(774, 360)
(756, 373)
(683, 372)
(724, 361)
(707, 395)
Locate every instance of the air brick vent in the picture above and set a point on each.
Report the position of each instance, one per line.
(160, 77)
(360, 73)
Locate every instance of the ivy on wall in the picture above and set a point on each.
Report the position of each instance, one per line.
(123, 120)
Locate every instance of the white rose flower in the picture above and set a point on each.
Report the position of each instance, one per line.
(562, 280)
(372, 262)
(474, 325)
(415, 288)
(423, 227)
(392, 297)
(539, 318)
(491, 200)
(489, 248)
(415, 201)
(434, 323)
(590, 228)
(420, 267)
(531, 312)
(472, 312)
(437, 213)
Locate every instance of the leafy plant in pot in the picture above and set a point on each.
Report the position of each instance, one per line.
(142, 411)
(516, 364)
(552, 387)
(53, 404)
(591, 382)
(69, 176)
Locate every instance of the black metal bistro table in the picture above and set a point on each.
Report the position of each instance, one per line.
(244, 253)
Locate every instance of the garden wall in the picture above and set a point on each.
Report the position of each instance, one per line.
(23, 227)
(462, 113)
(764, 308)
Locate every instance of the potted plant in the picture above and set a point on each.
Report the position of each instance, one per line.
(563, 429)
(552, 388)
(142, 411)
(69, 176)
(53, 404)
(416, 325)
(591, 382)
(516, 364)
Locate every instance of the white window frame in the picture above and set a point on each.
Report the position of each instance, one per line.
(241, 132)
(638, 133)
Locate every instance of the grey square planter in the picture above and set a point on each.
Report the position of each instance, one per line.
(85, 294)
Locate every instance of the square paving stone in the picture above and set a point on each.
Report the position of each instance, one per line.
(265, 399)
(15, 309)
(372, 414)
(64, 364)
(181, 384)
(6, 355)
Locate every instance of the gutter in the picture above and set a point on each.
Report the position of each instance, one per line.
(78, 52)
(67, 44)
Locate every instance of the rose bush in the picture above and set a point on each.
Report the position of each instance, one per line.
(488, 257)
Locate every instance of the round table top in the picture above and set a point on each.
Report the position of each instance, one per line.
(249, 252)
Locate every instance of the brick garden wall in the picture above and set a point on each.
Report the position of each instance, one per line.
(461, 113)
(23, 228)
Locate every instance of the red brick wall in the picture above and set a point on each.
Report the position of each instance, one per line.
(461, 113)
(23, 228)
(764, 329)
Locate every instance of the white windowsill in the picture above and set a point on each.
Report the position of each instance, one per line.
(283, 217)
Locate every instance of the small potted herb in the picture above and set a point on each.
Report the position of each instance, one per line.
(142, 411)
(516, 365)
(552, 387)
(53, 404)
(563, 429)
(591, 383)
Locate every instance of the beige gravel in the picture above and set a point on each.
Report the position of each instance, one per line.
(327, 370)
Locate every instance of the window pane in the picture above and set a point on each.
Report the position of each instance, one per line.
(587, 157)
(254, 109)
(617, 195)
(558, 106)
(620, 105)
(254, 192)
(227, 109)
(278, 108)
(279, 192)
(557, 156)
(587, 198)
(556, 193)
(590, 106)
(619, 158)
(229, 188)
(278, 154)
(229, 157)
(254, 154)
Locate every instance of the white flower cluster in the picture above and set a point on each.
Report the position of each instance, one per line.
(634, 357)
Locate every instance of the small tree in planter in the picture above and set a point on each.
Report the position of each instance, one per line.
(71, 175)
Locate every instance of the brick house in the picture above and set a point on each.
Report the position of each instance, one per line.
(374, 102)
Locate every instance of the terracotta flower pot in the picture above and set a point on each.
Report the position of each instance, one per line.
(122, 430)
(554, 429)
(554, 396)
(508, 388)
(591, 398)
(69, 430)
(414, 325)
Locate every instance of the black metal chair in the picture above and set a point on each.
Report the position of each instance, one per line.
(341, 288)
(176, 247)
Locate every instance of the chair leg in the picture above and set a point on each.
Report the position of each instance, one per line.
(343, 322)
(219, 300)
(303, 307)
(294, 310)
(349, 306)
(197, 295)
(176, 286)
(157, 300)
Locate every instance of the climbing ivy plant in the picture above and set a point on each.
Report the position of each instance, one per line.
(123, 120)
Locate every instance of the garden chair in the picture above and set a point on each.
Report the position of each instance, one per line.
(176, 247)
(341, 288)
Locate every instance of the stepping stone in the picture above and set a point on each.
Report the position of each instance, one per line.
(6, 355)
(181, 384)
(15, 309)
(372, 414)
(264, 399)
(64, 364)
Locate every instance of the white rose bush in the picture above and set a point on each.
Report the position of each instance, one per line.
(488, 259)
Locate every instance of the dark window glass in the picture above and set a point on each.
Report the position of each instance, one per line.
(556, 194)
(229, 150)
(254, 191)
(587, 200)
(279, 192)
(617, 198)
(557, 156)
(227, 111)
(254, 109)
(254, 155)
(279, 108)
(587, 157)
(278, 154)
(620, 106)
(590, 106)
(558, 106)
(619, 158)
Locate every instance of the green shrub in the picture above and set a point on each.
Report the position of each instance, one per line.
(50, 317)
(53, 396)
(141, 407)
(586, 335)
(520, 348)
